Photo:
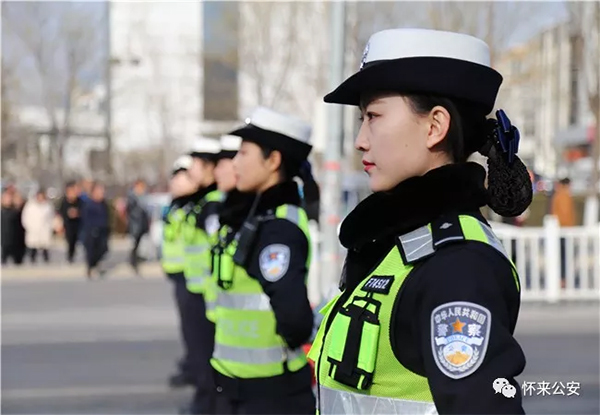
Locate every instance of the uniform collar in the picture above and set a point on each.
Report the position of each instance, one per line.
(285, 193)
(414, 203)
(201, 192)
(235, 208)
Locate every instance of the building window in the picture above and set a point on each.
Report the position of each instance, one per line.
(220, 61)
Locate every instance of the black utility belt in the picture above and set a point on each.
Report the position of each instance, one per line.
(287, 384)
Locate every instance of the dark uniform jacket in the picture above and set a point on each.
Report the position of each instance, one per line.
(465, 271)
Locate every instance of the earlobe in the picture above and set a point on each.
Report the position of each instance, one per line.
(439, 124)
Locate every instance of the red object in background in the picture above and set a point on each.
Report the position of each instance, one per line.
(591, 133)
(574, 154)
(306, 349)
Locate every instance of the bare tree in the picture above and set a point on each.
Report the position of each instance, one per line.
(585, 28)
(62, 43)
(141, 163)
(282, 58)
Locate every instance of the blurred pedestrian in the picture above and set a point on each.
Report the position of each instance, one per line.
(138, 221)
(70, 212)
(38, 219)
(20, 247)
(563, 207)
(85, 189)
(11, 224)
(95, 229)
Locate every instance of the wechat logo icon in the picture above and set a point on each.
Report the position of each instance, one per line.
(502, 386)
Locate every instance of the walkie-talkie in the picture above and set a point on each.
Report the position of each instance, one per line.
(247, 234)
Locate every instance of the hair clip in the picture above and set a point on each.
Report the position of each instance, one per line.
(507, 135)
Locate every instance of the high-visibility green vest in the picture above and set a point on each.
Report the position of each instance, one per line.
(172, 258)
(246, 341)
(377, 382)
(197, 247)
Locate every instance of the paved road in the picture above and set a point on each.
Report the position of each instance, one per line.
(72, 346)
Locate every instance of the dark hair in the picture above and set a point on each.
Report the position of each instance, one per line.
(509, 184)
(467, 130)
(565, 181)
(291, 168)
(287, 169)
(70, 184)
(41, 191)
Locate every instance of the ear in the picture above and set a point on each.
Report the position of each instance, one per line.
(439, 124)
(274, 161)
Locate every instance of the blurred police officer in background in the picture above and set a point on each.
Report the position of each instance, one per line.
(263, 315)
(200, 223)
(172, 258)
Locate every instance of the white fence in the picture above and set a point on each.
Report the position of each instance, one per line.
(554, 263)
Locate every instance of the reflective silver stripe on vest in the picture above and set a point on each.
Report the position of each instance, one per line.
(259, 356)
(292, 214)
(417, 244)
(492, 239)
(254, 302)
(196, 249)
(198, 278)
(174, 259)
(340, 402)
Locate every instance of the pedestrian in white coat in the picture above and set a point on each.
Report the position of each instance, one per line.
(38, 219)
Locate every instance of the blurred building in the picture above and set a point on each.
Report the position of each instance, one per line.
(84, 149)
(544, 93)
(155, 72)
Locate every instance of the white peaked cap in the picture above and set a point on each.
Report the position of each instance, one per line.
(204, 145)
(284, 124)
(452, 65)
(230, 142)
(182, 163)
(412, 43)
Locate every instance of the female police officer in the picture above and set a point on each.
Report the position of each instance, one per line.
(200, 223)
(263, 315)
(429, 298)
(172, 257)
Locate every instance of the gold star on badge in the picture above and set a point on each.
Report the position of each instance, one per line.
(458, 325)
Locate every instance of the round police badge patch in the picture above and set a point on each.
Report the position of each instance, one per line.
(460, 333)
(274, 261)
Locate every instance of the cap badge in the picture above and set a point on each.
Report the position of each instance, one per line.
(364, 57)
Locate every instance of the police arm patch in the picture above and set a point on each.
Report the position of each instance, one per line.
(274, 261)
(460, 333)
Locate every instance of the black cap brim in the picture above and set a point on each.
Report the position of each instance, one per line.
(226, 154)
(289, 147)
(451, 78)
(210, 157)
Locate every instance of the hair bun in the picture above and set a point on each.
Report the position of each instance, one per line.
(510, 190)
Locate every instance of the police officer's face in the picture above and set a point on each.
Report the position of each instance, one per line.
(253, 172)
(225, 175)
(397, 143)
(197, 171)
